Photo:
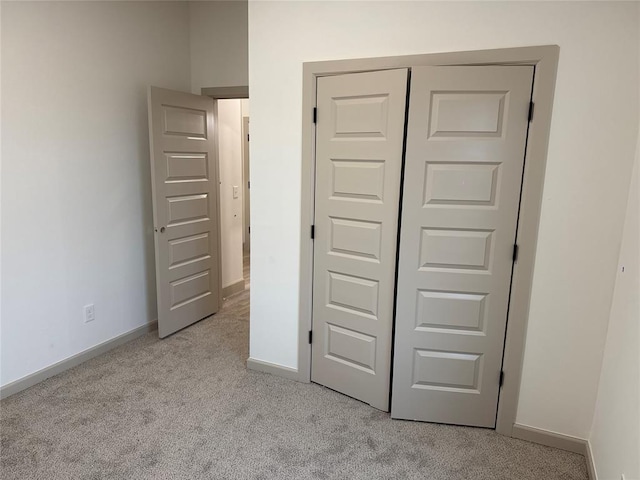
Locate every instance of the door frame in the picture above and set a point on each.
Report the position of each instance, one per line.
(545, 60)
(246, 187)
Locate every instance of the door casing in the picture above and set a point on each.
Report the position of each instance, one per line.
(246, 198)
(545, 60)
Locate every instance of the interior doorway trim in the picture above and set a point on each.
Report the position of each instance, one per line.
(224, 93)
(545, 60)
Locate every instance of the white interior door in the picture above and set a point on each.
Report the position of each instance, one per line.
(359, 139)
(185, 207)
(466, 140)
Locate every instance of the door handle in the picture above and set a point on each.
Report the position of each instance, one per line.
(162, 229)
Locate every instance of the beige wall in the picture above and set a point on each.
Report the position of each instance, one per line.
(76, 202)
(615, 435)
(593, 135)
(219, 44)
(76, 192)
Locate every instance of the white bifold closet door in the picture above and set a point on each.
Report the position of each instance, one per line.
(359, 139)
(465, 150)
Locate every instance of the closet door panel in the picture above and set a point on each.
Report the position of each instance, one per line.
(466, 139)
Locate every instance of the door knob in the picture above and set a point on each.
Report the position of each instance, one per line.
(162, 229)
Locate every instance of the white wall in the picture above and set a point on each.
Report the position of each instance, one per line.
(219, 44)
(76, 201)
(615, 436)
(230, 160)
(595, 123)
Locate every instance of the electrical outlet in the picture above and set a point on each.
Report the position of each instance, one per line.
(89, 313)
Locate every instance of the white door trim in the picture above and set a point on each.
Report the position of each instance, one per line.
(545, 60)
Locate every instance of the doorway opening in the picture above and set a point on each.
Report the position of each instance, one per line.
(231, 118)
(200, 169)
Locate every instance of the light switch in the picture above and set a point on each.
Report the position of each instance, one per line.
(236, 191)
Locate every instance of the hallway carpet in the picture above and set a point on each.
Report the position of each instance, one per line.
(187, 408)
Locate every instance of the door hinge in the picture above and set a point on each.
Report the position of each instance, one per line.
(315, 115)
(249, 229)
(247, 137)
(530, 111)
(248, 185)
(501, 378)
(310, 336)
(515, 252)
(313, 231)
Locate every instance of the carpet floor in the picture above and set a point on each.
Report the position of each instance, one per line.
(186, 407)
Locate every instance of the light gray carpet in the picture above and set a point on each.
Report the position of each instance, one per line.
(187, 408)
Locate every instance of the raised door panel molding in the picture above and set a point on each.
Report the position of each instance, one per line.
(461, 184)
(187, 167)
(361, 116)
(463, 312)
(356, 238)
(187, 209)
(462, 249)
(452, 371)
(185, 122)
(467, 114)
(352, 348)
(353, 293)
(360, 180)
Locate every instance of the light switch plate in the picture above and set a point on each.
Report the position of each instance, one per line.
(89, 313)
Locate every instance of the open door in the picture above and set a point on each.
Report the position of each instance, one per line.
(185, 208)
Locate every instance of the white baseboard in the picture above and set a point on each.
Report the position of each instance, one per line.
(233, 288)
(591, 466)
(550, 439)
(273, 368)
(558, 440)
(75, 360)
